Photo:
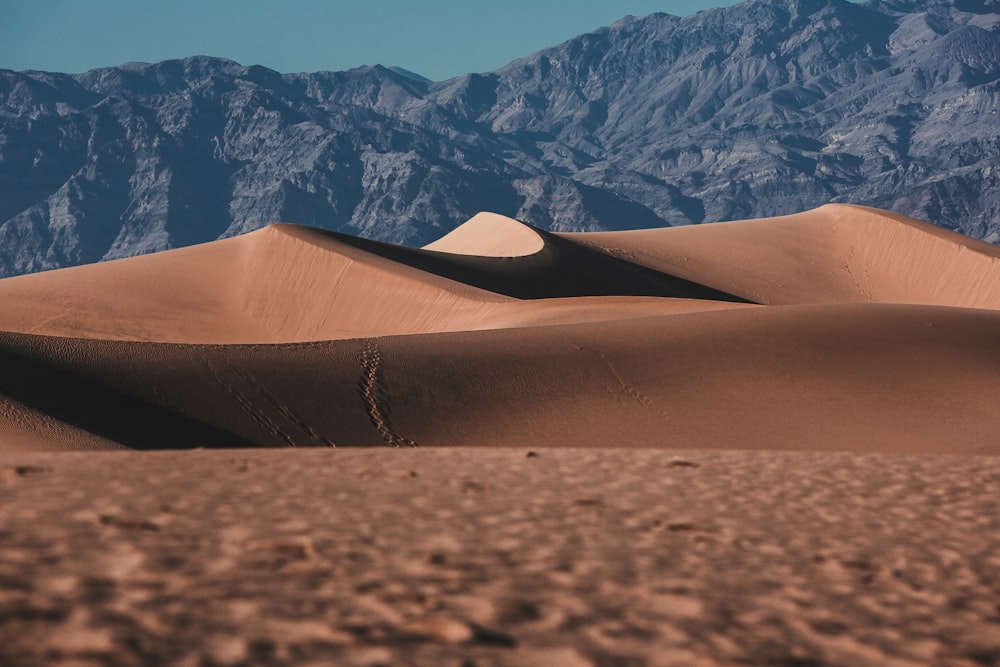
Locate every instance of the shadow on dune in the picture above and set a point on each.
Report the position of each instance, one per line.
(101, 410)
(561, 269)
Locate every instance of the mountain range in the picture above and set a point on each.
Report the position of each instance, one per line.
(764, 108)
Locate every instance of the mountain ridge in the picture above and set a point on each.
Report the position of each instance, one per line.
(763, 108)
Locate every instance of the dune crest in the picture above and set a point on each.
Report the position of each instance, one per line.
(816, 377)
(288, 283)
(490, 235)
(840, 328)
(837, 253)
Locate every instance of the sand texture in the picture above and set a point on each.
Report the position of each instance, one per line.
(842, 328)
(472, 556)
(764, 442)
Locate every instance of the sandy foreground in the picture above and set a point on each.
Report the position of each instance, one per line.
(474, 556)
(766, 442)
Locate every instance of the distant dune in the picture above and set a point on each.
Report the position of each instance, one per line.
(843, 328)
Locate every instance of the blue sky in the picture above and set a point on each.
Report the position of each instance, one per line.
(436, 38)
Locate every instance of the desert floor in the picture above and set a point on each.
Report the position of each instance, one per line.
(472, 556)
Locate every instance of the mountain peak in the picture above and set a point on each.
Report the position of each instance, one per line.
(405, 73)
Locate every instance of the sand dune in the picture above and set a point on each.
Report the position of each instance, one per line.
(491, 235)
(846, 376)
(287, 283)
(851, 337)
(877, 333)
(834, 254)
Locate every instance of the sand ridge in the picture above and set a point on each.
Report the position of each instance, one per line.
(862, 377)
(287, 283)
(836, 253)
(843, 328)
(490, 235)
(510, 447)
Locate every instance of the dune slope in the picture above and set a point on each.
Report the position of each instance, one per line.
(834, 254)
(860, 377)
(287, 283)
(880, 335)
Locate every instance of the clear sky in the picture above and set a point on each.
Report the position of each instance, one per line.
(436, 38)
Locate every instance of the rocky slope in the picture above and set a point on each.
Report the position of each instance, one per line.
(763, 108)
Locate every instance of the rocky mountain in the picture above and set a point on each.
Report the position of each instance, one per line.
(763, 108)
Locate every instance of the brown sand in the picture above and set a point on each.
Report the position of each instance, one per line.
(853, 338)
(487, 557)
(491, 235)
(863, 377)
(287, 283)
(836, 253)
(502, 335)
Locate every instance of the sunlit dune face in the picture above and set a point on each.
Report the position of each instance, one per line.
(839, 328)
